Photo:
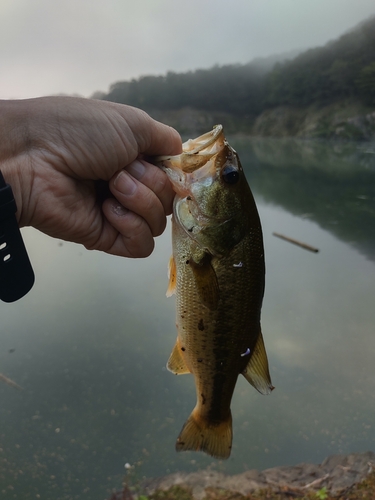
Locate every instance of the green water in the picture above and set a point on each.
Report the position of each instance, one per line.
(90, 342)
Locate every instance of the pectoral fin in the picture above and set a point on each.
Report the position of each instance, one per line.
(176, 363)
(172, 277)
(206, 280)
(257, 372)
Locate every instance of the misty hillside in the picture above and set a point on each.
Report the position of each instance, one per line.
(343, 69)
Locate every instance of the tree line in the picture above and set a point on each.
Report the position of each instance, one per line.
(344, 68)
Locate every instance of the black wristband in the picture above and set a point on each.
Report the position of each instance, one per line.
(16, 273)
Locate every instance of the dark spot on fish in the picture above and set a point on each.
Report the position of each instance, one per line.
(182, 316)
(201, 325)
(187, 262)
(203, 399)
(191, 229)
(188, 198)
(199, 360)
(183, 349)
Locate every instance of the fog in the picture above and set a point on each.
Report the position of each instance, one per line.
(81, 47)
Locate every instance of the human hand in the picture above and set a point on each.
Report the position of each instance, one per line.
(56, 152)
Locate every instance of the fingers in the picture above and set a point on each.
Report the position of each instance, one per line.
(129, 234)
(152, 137)
(143, 197)
(155, 180)
(145, 190)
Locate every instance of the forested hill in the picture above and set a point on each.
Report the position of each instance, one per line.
(343, 69)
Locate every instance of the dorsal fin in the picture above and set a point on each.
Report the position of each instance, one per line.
(256, 371)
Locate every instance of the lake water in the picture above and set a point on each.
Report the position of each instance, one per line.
(89, 343)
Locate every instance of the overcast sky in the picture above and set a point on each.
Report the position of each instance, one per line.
(80, 46)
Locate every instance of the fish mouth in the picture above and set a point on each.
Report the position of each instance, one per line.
(195, 152)
(208, 143)
(192, 172)
(197, 167)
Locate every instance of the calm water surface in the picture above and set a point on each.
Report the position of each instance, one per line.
(90, 342)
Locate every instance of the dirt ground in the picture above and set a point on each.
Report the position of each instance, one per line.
(338, 476)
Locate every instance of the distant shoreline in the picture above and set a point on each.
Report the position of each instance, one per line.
(347, 120)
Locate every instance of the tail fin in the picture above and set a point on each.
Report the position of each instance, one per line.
(198, 434)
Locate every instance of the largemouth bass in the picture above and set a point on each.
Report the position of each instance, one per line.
(217, 272)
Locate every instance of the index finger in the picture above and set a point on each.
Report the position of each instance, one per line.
(152, 137)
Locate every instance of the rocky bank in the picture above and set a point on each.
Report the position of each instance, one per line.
(344, 120)
(337, 474)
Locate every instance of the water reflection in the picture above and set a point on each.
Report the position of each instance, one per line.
(90, 342)
(330, 183)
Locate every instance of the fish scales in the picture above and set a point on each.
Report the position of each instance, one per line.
(217, 272)
(204, 333)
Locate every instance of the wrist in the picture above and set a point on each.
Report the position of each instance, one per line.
(14, 147)
(16, 273)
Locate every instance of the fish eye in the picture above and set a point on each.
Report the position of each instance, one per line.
(230, 174)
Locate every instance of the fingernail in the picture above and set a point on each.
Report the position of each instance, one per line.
(136, 169)
(118, 209)
(124, 183)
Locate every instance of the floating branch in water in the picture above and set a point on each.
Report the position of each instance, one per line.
(10, 382)
(296, 242)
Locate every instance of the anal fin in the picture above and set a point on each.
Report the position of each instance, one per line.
(256, 371)
(176, 363)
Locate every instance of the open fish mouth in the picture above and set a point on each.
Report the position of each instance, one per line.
(195, 152)
(204, 144)
(194, 171)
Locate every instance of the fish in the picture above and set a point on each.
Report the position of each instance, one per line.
(217, 272)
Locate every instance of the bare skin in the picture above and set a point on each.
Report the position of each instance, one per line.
(56, 152)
